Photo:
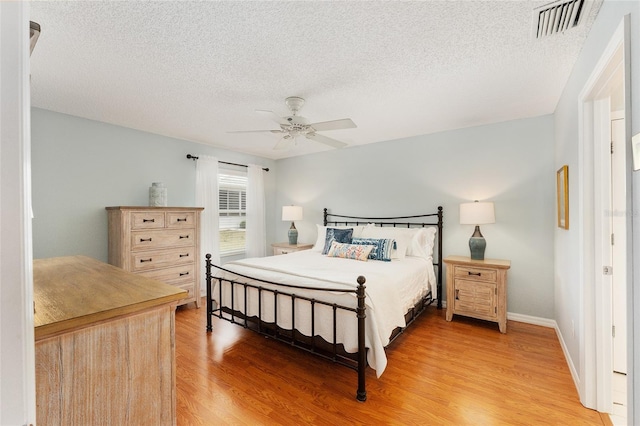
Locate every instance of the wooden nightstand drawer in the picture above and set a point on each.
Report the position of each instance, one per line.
(480, 274)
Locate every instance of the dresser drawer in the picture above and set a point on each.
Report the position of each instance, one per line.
(477, 274)
(148, 240)
(147, 220)
(190, 290)
(174, 275)
(181, 220)
(161, 258)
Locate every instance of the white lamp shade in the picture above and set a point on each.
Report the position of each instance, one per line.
(477, 213)
(291, 213)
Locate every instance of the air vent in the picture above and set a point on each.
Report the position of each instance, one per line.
(559, 16)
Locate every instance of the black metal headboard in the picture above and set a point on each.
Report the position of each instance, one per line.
(417, 221)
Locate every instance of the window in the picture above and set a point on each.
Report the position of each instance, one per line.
(232, 203)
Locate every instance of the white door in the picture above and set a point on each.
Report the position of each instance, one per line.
(619, 243)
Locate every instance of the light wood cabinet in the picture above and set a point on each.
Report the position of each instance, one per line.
(478, 289)
(284, 248)
(158, 242)
(104, 345)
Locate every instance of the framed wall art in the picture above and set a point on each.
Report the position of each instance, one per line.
(563, 196)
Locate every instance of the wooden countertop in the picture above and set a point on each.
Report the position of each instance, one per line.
(75, 291)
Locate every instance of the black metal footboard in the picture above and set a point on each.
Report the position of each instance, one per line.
(291, 337)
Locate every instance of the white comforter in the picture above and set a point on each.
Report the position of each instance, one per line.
(391, 287)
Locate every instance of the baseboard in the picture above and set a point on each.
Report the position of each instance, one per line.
(544, 322)
(567, 357)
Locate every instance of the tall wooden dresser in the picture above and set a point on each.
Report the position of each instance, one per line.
(158, 242)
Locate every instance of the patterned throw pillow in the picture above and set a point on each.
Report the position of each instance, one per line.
(339, 235)
(322, 234)
(382, 247)
(350, 251)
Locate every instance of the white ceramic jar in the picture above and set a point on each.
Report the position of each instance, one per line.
(157, 195)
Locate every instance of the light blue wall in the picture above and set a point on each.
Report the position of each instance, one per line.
(509, 163)
(568, 288)
(80, 166)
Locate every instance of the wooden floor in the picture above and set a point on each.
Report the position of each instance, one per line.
(462, 372)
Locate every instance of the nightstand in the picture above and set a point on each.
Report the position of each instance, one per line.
(478, 289)
(284, 248)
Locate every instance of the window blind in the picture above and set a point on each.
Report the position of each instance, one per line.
(232, 205)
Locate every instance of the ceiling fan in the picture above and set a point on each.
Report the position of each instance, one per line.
(294, 126)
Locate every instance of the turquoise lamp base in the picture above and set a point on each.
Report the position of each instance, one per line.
(477, 245)
(293, 235)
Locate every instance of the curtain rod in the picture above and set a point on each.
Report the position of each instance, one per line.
(194, 158)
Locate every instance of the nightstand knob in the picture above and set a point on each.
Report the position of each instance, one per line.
(457, 292)
(475, 273)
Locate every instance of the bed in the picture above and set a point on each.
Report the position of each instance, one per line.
(364, 281)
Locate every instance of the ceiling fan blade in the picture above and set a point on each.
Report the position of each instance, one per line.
(285, 143)
(345, 123)
(256, 131)
(325, 140)
(272, 116)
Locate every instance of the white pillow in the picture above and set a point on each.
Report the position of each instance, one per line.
(417, 242)
(403, 237)
(422, 243)
(322, 234)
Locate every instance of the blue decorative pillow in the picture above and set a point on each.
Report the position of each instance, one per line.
(339, 235)
(382, 247)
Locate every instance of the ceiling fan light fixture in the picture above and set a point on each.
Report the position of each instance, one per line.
(294, 103)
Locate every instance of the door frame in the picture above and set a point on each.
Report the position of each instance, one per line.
(17, 347)
(595, 296)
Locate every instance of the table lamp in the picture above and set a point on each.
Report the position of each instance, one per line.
(477, 214)
(292, 213)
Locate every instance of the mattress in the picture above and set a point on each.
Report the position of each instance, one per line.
(392, 288)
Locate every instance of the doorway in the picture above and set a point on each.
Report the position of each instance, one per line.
(605, 162)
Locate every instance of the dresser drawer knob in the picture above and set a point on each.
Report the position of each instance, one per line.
(477, 274)
(148, 220)
(184, 236)
(184, 255)
(145, 260)
(142, 240)
(182, 220)
(182, 274)
(457, 292)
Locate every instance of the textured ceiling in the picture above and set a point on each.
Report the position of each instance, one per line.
(197, 70)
